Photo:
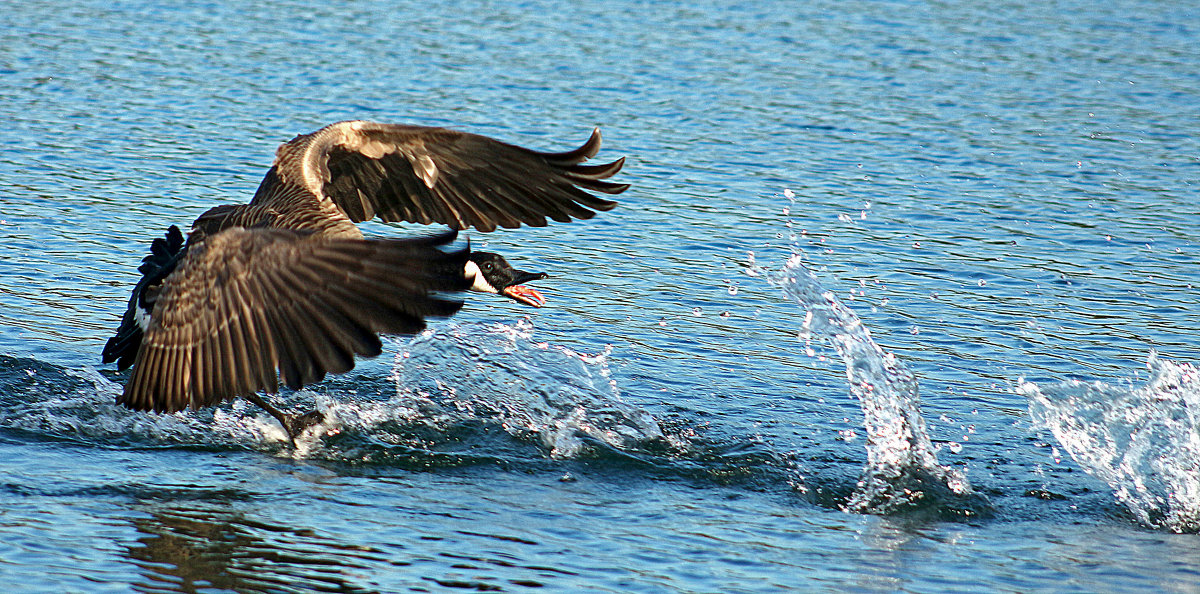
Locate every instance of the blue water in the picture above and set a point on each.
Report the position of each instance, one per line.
(1004, 196)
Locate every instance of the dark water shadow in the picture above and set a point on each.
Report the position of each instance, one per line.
(191, 546)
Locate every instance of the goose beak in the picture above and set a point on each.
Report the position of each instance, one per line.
(525, 295)
(522, 293)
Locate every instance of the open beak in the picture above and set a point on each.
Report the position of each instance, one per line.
(522, 293)
(525, 295)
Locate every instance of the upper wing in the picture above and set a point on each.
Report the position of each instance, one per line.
(247, 302)
(435, 175)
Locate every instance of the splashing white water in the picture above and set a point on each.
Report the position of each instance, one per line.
(1143, 441)
(81, 404)
(497, 372)
(901, 464)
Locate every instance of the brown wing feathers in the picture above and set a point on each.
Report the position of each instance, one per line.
(588, 176)
(435, 175)
(248, 302)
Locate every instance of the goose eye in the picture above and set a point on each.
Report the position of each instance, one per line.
(487, 266)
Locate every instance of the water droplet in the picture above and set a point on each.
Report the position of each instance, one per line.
(696, 311)
(788, 194)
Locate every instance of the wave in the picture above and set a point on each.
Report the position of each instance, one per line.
(1144, 441)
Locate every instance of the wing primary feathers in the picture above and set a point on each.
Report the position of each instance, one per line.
(579, 155)
(354, 171)
(594, 172)
(602, 186)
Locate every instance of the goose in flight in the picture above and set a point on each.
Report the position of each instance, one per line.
(287, 289)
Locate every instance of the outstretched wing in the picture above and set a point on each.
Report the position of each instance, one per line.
(436, 175)
(246, 303)
(165, 252)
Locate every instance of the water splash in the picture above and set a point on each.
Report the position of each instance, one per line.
(80, 405)
(1143, 441)
(452, 380)
(499, 373)
(902, 471)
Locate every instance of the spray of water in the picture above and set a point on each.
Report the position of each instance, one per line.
(1144, 441)
(902, 471)
(498, 373)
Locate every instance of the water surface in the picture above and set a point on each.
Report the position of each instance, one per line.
(1004, 197)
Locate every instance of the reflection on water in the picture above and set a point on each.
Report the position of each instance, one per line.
(235, 545)
(199, 547)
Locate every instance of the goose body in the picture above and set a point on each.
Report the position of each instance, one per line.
(287, 289)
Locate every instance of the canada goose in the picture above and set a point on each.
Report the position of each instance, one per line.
(286, 288)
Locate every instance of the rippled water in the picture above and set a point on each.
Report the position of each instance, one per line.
(1005, 197)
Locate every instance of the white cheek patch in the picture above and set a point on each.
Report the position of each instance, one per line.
(479, 283)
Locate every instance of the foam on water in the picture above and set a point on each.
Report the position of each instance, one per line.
(448, 379)
(499, 373)
(80, 404)
(1143, 440)
(902, 470)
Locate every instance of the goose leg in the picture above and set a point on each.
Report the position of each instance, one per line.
(294, 425)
